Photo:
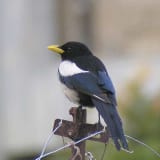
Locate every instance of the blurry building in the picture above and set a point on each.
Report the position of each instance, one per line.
(126, 34)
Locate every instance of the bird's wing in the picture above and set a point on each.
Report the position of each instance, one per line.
(99, 87)
(96, 69)
(105, 82)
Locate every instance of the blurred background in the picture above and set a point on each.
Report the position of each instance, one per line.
(125, 34)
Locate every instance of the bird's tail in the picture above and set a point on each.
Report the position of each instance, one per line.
(112, 119)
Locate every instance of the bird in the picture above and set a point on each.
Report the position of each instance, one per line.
(86, 82)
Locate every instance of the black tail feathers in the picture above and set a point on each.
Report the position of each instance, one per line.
(111, 117)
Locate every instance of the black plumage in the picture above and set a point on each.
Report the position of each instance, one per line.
(87, 83)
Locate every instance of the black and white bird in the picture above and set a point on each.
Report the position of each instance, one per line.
(87, 83)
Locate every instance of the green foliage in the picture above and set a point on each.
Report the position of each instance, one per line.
(142, 114)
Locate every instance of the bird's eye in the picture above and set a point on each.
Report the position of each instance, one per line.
(69, 48)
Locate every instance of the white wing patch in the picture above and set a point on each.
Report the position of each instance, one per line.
(68, 68)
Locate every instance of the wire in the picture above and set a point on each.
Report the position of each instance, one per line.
(42, 155)
(48, 140)
(147, 146)
(70, 144)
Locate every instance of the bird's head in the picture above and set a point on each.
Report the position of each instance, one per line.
(70, 50)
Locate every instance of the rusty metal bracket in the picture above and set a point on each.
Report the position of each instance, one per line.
(76, 132)
(78, 129)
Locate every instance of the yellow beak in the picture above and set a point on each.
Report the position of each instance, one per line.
(56, 49)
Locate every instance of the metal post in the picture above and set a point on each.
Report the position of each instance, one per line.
(79, 117)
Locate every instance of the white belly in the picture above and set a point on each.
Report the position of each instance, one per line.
(71, 94)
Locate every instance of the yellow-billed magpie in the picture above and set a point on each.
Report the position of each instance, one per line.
(87, 83)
